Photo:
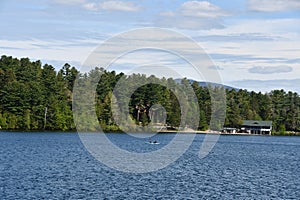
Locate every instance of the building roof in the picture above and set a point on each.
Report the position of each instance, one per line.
(257, 123)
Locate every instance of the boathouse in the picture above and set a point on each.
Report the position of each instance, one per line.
(229, 130)
(257, 127)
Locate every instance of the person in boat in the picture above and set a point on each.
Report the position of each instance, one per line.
(154, 142)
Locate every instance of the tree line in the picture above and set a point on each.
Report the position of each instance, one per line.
(37, 97)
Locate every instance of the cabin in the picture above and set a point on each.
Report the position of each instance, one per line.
(257, 127)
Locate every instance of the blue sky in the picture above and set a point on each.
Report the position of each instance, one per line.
(255, 44)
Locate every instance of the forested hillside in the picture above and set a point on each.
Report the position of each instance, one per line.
(36, 97)
(28, 89)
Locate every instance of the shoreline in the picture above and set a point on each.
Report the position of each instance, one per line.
(238, 134)
(159, 132)
(212, 133)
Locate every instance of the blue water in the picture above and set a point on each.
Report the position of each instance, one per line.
(57, 166)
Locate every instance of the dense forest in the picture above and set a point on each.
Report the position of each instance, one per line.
(37, 97)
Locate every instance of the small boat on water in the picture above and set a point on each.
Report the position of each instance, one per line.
(152, 142)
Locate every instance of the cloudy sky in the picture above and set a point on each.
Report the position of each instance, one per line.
(254, 44)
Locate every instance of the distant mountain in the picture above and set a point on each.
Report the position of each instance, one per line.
(205, 84)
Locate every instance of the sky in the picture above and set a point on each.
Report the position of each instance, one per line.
(253, 44)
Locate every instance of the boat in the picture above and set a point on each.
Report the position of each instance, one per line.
(150, 142)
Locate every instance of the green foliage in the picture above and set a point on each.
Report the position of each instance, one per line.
(28, 89)
(281, 129)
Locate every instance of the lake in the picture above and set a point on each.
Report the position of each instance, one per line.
(57, 166)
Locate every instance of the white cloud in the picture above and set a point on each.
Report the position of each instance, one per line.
(201, 9)
(125, 6)
(190, 23)
(270, 70)
(283, 33)
(119, 6)
(267, 85)
(60, 51)
(90, 6)
(70, 2)
(273, 5)
(279, 46)
(216, 67)
(194, 15)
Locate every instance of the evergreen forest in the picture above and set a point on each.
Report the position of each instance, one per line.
(35, 97)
